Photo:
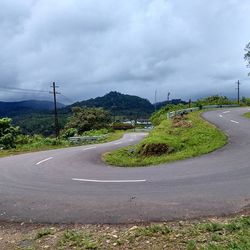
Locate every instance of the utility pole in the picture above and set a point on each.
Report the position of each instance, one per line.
(55, 108)
(155, 98)
(189, 103)
(168, 96)
(238, 90)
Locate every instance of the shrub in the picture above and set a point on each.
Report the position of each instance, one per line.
(121, 126)
(69, 133)
(97, 132)
(8, 134)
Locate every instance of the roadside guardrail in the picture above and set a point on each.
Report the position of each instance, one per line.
(189, 110)
(80, 139)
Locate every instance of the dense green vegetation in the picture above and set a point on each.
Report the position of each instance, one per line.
(39, 123)
(79, 120)
(8, 134)
(33, 117)
(85, 119)
(214, 100)
(247, 115)
(175, 139)
(28, 143)
(36, 117)
(160, 115)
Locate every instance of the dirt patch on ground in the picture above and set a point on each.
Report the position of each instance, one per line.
(195, 234)
(181, 121)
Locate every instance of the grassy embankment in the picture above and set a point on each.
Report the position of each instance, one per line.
(171, 140)
(247, 115)
(212, 234)
(39, 143)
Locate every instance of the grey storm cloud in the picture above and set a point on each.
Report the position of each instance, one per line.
(91, 47)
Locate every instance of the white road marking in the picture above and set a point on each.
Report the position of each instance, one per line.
(221, 116)
(131, 139)
(234, 121)
(225, 112)
(88, 148)
(117, 143)
(108, 181)
(47, 159)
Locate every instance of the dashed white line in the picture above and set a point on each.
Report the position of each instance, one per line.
(108, 181)
(221, 116)
(88, 148)
(234, 121)
(47, 159)
(225, 112)
(117, 143)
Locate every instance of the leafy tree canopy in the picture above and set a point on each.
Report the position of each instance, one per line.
(214, 100)
(8, 133)
(85, 119)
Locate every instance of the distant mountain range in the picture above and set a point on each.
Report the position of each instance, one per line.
(16, 108)
(37, 116)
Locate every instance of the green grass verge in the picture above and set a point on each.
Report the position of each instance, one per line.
(212, 234)
(47, 144)
(247, 115)
(201, 138)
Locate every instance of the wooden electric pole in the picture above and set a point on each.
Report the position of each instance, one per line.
(238, 92)
(56, 123)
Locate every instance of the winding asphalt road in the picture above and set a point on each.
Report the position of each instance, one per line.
(73, 185)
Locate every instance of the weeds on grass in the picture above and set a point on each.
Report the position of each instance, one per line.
(79, 240)
(152, 230)
(216, 234)
(43, 232)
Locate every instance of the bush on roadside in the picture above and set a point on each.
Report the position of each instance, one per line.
(121, 126)
(97, 132)
(70, 132)
(8, 134)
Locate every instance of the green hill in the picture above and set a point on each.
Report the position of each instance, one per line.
(120, 104)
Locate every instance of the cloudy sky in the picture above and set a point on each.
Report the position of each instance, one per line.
(90, 47)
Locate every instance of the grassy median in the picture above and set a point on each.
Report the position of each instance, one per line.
(171, 140)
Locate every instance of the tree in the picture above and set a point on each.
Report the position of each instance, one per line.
(213, 100)
(85, 119)
(247, 55)
(8, 133)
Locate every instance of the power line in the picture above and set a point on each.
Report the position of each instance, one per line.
(68, 99)
(24, 90)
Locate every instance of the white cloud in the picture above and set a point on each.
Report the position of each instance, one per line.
(91, 47)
